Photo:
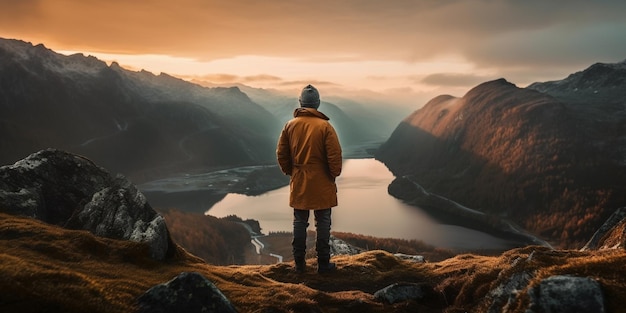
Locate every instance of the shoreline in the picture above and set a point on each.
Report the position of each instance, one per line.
(200, 192)
(446, 210)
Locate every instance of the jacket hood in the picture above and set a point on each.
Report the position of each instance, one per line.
(302, 111)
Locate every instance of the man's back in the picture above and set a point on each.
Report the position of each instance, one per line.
(312, 140)
(308, 150)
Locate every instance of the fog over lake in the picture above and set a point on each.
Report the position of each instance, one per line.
(364, 207)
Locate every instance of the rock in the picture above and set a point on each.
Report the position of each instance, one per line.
(402, 292)
(71, 191)
(340, 247)
(565, 294)
(501, 297)
(410, 258)
(611, 235)
(187, 292)
(514, 280)
(120, 211)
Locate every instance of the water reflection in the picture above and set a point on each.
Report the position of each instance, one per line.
(364, 207)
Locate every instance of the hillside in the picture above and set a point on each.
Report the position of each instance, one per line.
(75, 238)
(47, 268)
(361, 126)
(550, 164)
(136, 123)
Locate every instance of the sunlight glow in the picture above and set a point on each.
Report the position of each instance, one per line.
(377, 76)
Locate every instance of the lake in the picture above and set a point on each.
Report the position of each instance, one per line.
(364, 208)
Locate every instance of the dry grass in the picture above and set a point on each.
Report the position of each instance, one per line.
(44, 268)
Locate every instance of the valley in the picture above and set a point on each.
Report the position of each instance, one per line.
(108, 175)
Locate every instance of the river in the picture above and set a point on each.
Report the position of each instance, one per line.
(365, 208)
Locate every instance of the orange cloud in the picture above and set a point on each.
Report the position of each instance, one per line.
(321, 30)
(331, 40)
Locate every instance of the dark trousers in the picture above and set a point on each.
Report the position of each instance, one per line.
(322, 227)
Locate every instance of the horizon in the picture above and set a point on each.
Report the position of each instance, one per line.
(405, 53)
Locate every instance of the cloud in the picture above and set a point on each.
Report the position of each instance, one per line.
(262, 78)
(356, 29)
(215, 78)
(302, 83)
(453, 79)
(563, 45)
(508, 38)
(223, 78)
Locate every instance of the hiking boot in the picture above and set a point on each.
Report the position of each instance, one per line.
(300, 267)
(326, 267)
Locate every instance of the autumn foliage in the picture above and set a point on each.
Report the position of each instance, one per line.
(518, 154)
(217, 241)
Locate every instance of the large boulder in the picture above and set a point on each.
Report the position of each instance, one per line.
(71, 191)
(564, 294)
(187, 292)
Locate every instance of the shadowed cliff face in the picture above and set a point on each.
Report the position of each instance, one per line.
(519, 153)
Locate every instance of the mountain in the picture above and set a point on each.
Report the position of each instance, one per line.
(361, 126)
(600, 84)
(350, 132)
(549, 157)
(136, 123)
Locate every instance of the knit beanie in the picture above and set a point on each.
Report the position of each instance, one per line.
(310, 97)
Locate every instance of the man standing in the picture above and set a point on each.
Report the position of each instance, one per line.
(308, 150)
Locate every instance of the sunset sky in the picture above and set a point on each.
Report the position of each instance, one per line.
(404, 49)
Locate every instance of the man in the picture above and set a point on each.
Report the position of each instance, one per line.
(308, 150)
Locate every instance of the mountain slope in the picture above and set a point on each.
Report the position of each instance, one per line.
(51, 269)
(553, 166)
(358, 125)
(131, 122)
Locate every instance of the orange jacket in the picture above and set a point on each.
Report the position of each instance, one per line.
(309, 151)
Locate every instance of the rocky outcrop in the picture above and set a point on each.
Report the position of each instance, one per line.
(611, 235)
(403, 292)
(340, 247)
(71, 191)
(187, 292)
(515, 280)
(553, 294)
(501, 297)
(410, 257)
(564, 294)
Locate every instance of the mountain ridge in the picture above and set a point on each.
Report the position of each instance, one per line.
(531, 156)
(159, 125)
